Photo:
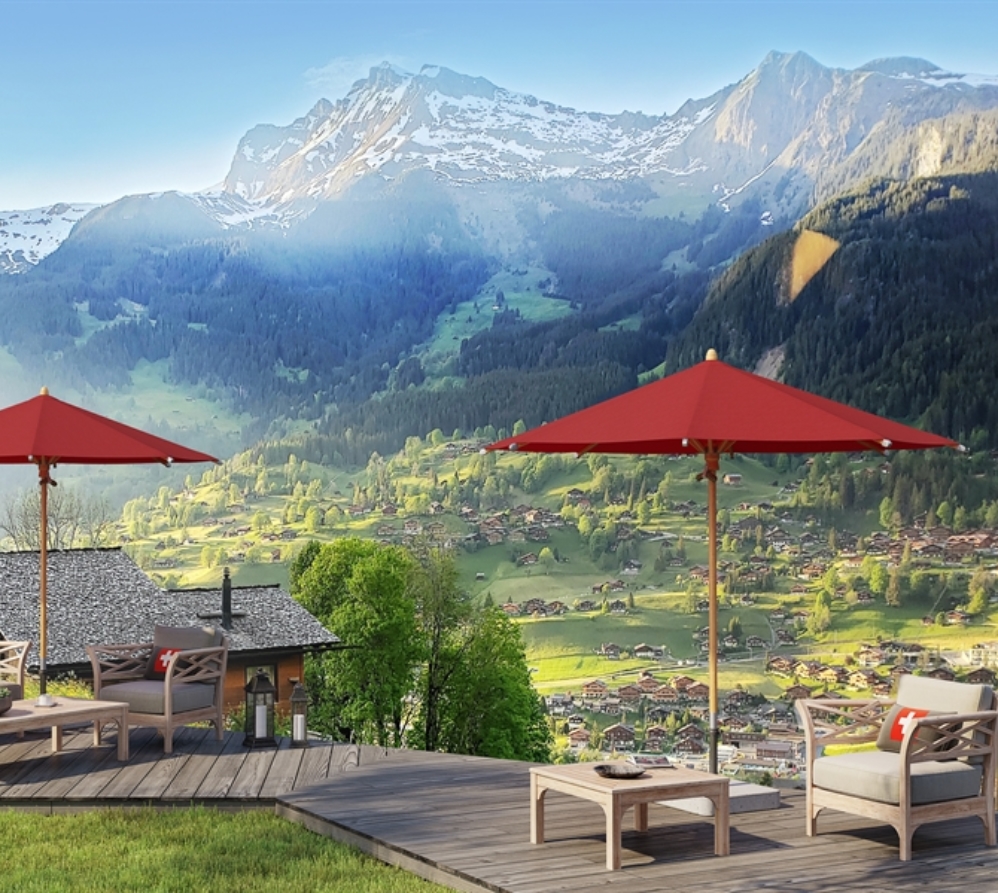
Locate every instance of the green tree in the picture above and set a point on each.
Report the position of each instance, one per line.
(945, 513)
(359, 588)
(546, 558)
(978, 591)
(892, 594)
(491, 707)
(875, 574)
(444, 614)
(886, 513)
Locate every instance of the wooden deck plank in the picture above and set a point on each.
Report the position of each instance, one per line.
(18, 757)
(224, 769)
(284, 769)
(97, 769)
(145, 749)
(315, 765)
(157, 781)
(253, 773)
(62, 769)
(198, 766)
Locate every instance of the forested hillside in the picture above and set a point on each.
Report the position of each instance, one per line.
(895, 313)
(900, 320)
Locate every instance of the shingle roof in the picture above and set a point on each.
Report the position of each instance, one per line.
(102, 596)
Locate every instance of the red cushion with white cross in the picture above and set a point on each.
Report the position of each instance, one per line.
(160, 662)
(897, 721)
(902, 719)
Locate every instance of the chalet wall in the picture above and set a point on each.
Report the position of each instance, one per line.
(288, 667)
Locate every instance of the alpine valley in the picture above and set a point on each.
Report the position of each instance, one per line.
(433, 251)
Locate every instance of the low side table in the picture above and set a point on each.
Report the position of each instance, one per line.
(617, 795)
(26, 715)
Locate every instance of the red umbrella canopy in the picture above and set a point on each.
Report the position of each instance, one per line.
(45, 429)
(715, 408)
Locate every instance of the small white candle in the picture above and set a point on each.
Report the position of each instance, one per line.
(261, 721)
(299, 727)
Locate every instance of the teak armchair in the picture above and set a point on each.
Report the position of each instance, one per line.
(13, 662)
(173, 681)
(934, 758)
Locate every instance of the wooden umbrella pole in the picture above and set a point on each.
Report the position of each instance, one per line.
(43, 481)
(712, 461)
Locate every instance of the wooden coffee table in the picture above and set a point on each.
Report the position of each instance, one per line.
(617, 795)
(26, 715)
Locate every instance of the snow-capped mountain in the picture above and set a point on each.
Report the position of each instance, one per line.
(463, 129)
(790, 133)
(789, 115)
(28, 236)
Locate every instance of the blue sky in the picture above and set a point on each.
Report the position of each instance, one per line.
(102, 99)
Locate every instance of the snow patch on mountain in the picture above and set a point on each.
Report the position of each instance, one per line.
(28, 236)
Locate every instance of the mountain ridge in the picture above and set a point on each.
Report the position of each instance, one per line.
(775, 136)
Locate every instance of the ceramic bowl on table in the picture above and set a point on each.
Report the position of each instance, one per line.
(618, 770)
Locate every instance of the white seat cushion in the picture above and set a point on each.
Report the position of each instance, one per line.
(149, 695)
(876, 775)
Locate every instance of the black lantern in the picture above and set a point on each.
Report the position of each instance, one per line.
(260, 712)
(299, 716)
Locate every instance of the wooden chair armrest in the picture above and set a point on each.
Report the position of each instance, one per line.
(117, 663)
(197, 665)
(13, 661)
(841, 720)
(956, 736)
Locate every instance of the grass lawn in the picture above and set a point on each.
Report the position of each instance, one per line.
(187, 851)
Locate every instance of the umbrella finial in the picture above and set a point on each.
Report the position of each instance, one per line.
(44, 391)
(711, 354)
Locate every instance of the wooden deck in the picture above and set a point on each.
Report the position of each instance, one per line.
(464, 821)
(201, 770)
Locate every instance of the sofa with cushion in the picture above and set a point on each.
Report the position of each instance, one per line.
(933, 756)
(174, 680)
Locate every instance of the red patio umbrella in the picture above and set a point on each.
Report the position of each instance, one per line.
(713, 409)
(45, 431)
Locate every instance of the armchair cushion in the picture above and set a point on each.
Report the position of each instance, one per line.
(149, 696)
(168, 640)
(876, 775)
(923, 695)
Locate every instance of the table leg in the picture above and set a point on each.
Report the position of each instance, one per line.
(721, 824)
(641, 817)
(614, 820)
(56, 739)
(536, 810)
(123, 735)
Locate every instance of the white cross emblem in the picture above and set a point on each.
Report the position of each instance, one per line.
(164, 657)
(903, 721)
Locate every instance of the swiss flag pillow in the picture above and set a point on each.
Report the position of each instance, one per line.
(160, 662)
(902, 719)
(896, 724)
